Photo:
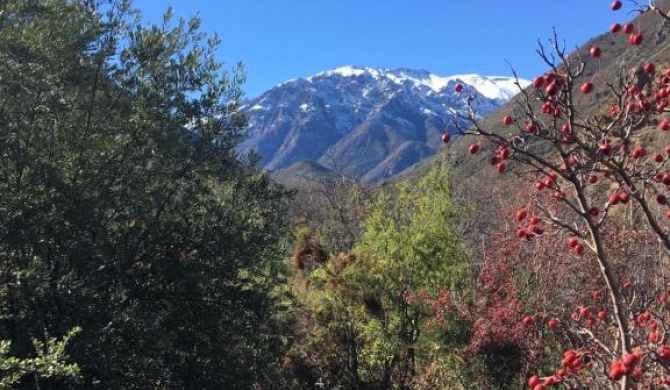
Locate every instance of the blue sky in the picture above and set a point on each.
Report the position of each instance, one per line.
(278, 40)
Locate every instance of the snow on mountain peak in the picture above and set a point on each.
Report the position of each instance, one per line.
(349, 71)
(492, 87)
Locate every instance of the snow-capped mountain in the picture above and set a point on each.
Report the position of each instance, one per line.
(368, 123)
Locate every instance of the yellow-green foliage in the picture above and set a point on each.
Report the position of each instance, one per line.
(358, 325)
(412, 239)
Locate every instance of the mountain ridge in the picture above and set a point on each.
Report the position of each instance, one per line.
(368, 123)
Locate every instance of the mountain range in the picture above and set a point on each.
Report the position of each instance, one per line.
(365, 123)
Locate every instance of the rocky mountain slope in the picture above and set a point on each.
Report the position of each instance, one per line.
(366, 123)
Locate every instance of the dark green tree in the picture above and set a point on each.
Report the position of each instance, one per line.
(124, 209)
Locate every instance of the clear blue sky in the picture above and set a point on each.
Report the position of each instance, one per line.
(282, 39)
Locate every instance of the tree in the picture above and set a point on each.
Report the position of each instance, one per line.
(125, 209)
(333, 205)
(51, 361)
(605, 175)
(362, 324)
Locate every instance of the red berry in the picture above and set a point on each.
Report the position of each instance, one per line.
(527, 321)
(593, 179)
(595, 52)
(616, 5)
(474, 148)
(579, 249)
(639, 152)
(629, 360)
(587, 87)
(658, 158)
(594, 211)
(521, 214)
(649, 68)
(602, 315)
(628, 28)
(530, 127)
(615, 28)
(533, 381)
(501, 167)
(661, 199)
(585, 312)
(552, 324)
(507, 120)
(614, 199)
(458, 87)
(552, 89)
(446, 137)
(537, 230)
(520, 232)
(605, 147)
(617, 370)
(573, 242)
(624, 197)
(538, 82)
(549, 78)
(664, 125)
(652, 337)
(636, 39)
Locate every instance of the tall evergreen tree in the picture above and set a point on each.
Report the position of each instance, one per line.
(124, 208)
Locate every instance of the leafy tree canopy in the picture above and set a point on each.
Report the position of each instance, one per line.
(124, 208)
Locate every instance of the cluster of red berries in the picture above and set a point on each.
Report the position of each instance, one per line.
(532, 229)
(528, 320)
(573, 363)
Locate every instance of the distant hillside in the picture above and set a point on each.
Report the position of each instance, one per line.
(305, 175)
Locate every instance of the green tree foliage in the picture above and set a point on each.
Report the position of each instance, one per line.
(413, 236)
(150, 235)
(51, 361)
(362, 323)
